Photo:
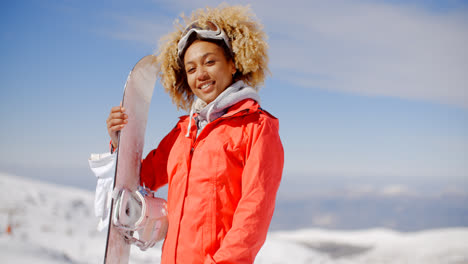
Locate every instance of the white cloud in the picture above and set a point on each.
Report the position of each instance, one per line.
(396, 190)
(324, 220)
(143, 29)
(363, 47)
(371, 49)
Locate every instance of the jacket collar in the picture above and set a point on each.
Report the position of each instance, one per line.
(243, 107)
(204, 113)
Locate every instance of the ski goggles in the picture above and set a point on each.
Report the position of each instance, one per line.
(210, 31)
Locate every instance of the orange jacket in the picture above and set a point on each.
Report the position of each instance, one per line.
(222, 185)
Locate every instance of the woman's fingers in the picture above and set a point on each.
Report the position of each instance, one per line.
(116, 125)
(115, 122)
(117, 109)
(117, 115)
(116, 118)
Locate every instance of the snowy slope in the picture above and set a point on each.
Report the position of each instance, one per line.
(52, 224)
(56, 224)
(366, 246)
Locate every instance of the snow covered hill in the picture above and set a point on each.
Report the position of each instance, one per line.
(52, 224)
(56, 224)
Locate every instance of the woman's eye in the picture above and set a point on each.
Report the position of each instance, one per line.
(190, 70)
(210, 62)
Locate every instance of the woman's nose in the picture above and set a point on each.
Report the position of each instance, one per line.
(202, 74)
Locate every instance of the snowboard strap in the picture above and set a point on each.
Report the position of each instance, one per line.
(141, 213)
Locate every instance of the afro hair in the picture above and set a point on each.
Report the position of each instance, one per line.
(248, 42)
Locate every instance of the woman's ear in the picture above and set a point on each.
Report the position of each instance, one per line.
(233, 68)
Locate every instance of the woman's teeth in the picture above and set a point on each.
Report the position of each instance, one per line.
(206, 85)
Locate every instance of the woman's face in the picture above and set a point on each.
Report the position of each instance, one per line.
(207, 69)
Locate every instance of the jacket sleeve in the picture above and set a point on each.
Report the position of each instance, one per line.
(153, 173)
(260, 181)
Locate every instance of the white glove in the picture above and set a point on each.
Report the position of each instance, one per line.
(103, 166)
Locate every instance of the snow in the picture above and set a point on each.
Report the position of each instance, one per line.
(56, 224)
(371, 246)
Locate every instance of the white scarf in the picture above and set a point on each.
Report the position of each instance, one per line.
(207, 113)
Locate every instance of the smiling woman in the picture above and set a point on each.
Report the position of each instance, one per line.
(236, 31)
(223, 162)
(208, 70)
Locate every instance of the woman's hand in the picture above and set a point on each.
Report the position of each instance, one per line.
(115, 122)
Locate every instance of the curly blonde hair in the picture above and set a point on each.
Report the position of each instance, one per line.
(248, 42)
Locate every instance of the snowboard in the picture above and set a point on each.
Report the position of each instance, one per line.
(136, 101)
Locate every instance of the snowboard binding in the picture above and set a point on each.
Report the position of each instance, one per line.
(140, 212)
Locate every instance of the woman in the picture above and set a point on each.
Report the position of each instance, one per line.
(223, 162)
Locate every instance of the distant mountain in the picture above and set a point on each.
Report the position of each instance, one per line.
(56, 224)
(403, 212)
(349, 204)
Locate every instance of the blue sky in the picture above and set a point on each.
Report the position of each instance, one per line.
(363, 89)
